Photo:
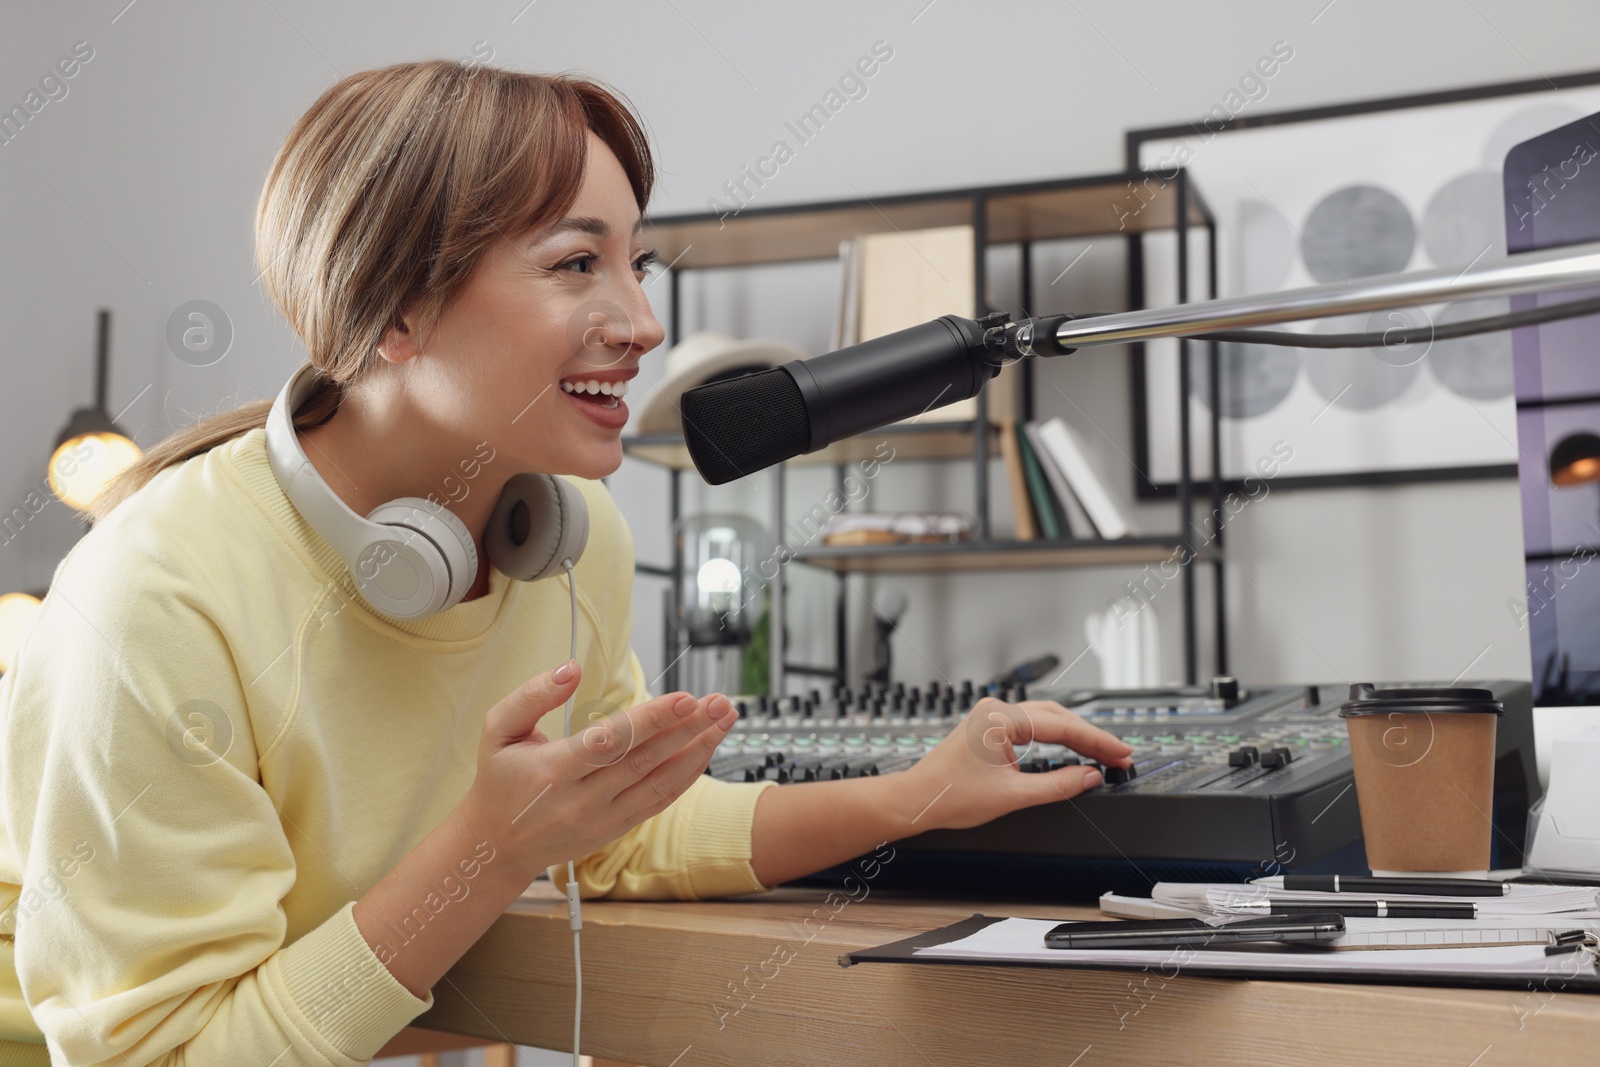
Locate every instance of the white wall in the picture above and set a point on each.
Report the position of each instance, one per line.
(136, 192)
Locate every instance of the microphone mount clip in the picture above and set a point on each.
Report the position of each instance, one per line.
(1007, 341)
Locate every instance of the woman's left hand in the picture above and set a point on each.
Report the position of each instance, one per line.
(972, 775)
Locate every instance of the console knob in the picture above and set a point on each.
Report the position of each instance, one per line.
(1225, 689)
(1276, 757)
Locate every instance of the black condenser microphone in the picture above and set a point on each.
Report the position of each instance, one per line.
(742, 425)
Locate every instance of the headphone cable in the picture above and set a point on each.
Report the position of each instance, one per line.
(574, 913)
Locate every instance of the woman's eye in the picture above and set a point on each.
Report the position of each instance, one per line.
(584, 262)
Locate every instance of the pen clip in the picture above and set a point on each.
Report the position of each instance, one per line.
(1586, 942)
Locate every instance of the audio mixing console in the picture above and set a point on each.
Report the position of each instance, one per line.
(1226, 781)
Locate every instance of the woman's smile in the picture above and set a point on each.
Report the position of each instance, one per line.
(598, 394)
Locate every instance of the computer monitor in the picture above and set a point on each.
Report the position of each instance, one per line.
(1552, 198)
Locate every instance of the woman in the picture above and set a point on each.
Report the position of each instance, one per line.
(250, 818)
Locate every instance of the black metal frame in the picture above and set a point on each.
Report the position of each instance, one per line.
(1135, 139)
(1186, 196)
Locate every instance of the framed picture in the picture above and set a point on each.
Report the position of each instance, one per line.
(1319, 196)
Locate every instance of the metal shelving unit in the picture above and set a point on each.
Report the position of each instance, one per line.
(1018, 214)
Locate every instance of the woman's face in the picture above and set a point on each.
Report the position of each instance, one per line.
(534, 352)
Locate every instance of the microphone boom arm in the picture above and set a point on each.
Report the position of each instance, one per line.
(1532, 272)
(740, 425)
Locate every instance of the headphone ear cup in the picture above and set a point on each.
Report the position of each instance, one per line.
(538, 521)
(443, 550)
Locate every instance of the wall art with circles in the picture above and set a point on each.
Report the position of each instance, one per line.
(1311, 198)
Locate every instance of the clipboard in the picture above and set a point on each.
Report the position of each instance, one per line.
(1585, 980)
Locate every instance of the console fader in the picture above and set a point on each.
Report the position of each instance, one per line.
(1225, 779)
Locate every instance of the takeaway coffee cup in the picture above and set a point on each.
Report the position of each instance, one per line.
(1424, 765)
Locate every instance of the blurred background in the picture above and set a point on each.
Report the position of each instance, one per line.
(133, 189)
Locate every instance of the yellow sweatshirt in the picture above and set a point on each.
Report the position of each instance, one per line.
(211, 748)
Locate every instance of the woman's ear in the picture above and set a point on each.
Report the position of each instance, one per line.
(400, 342)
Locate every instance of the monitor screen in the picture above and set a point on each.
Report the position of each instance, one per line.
(1552, 198)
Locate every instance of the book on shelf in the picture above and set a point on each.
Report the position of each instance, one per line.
(1074, 520)
(1065, 448)
(893, 281)
(1045, 510)
(1017, 481)
(845, 328)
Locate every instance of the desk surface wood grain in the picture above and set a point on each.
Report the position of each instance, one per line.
(756, 981)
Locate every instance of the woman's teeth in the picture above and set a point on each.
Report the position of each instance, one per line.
(591, 387)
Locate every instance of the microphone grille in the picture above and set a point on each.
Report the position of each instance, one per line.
(742, 425)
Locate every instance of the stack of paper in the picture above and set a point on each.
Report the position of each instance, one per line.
(1022, 941)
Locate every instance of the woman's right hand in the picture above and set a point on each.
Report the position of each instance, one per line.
(542, 802)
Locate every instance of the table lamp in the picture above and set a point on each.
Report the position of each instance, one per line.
(720, 604)
(721, 601)
(92, 449)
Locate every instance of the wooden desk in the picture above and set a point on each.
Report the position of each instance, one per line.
(660, 980)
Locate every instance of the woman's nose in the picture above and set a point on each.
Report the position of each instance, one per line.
(638, 326)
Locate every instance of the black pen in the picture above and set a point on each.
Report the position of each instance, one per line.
(1345, 883)
(1357, 909)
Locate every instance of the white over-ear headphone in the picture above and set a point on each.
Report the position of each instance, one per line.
(411, 558)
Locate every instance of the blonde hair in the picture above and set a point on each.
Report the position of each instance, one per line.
(384, 197)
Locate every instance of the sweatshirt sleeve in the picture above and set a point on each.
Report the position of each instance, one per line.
(150, 928)
(698, 847)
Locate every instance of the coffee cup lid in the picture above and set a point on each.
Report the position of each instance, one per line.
(1367, 699)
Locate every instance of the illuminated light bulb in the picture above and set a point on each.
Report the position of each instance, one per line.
(1583, 470)
(718, 575)
(718, 596)
(83, 465)
(1575, 459)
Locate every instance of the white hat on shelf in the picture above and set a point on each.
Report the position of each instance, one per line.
(705, 357)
